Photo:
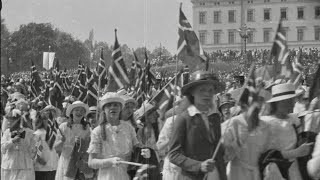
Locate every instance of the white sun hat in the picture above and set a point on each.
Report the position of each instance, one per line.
(77, 104)
(110, 97)
(282, 92)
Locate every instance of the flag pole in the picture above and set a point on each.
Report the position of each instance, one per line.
(98, 93)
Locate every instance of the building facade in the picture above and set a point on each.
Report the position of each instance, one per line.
(217, 23)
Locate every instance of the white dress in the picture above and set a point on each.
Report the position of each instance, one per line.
(120, 142)
(17, 158)
(70, 134)
(243, 149)
(170, 171)
(283, 137)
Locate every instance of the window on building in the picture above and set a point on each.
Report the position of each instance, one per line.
(250, 37)
(202, 4)
(202, 35)
(267, 15)
(250, 15)
(217, 16)
(266, 35)
(317, 33)
(283, 13)
(217, 3)
(300, 34)
(317, 12)
(232, 17)
(202, 18)
(216, 37)
(300, 12)
(231, 36)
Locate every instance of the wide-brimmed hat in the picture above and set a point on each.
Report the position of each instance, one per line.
(145, 108)
(202, 77)
(226, 99)
(93, 110)
(56, 111)
(128, 99)
(16, 96)
(282, 92)
(110, 97)
(22, 105)
(77, 104)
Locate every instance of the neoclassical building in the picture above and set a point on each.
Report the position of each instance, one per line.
(217, 23)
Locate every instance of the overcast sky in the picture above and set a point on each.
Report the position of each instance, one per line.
(139, 22)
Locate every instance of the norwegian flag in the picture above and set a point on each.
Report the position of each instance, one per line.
(66, 83)
(297, 67)
(149, 76)
(189, 48)
(118, 76)
(134, 70)
(52, 130)
(56, 92)
(280, 53)
(102, 71)
(36, 82)
(162, 99)
(92, 88)
(80, 90)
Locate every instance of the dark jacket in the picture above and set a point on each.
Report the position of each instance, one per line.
(192, 144)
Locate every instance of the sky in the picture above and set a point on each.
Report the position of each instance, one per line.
(139, 22)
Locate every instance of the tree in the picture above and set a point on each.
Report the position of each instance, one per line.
(5, 35)
(30, 41)
(140, 52)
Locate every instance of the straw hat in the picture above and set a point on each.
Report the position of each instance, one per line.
(128, 99)
(93, 110)
(110, 97)
(22, 105)
(57, 111)
(226, 99)
(77, 104)
(282, 92)
(201, 77)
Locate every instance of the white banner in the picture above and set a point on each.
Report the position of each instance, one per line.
(46, 60)
(51, 59)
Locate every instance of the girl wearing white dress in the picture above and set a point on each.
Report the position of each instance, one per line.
(18, 150)
(112, 141)
(283, 133)
(77, 131)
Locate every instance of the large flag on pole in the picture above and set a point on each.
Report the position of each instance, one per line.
(118, 76)
(48, 60)
(189, 48)
(279, 54)
(102, 71)
(36, 81)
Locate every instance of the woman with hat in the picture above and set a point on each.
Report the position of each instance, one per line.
(72, 137)
(197, 132)
(112, 141)
(283, 137)
(226, 103)
(93, 117)
(46, 161)
(245, 138)
(18, 149)
(128, 110)
(170, 171)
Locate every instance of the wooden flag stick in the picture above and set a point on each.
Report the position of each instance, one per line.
(131, 163)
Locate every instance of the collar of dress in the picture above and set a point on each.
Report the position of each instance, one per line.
(192, 111)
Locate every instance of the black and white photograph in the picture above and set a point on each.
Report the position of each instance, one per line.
(160, 90)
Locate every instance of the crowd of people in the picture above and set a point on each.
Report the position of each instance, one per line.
(213, 131)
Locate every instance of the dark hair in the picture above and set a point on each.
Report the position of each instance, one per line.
(83, 122)
(155, 125)
(273, 108)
